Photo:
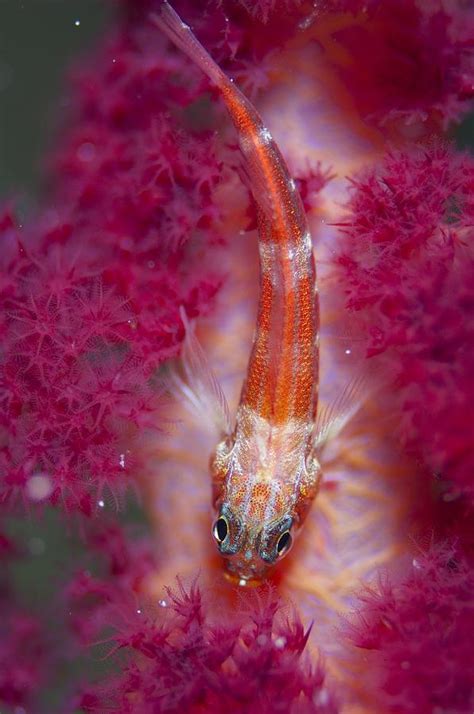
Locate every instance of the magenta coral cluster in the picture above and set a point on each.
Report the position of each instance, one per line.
(185, 651)
(23, 646)
(90, 291)
(186, 654)
(411, 61)
(24, 641)
(406, 264)
(422, 629)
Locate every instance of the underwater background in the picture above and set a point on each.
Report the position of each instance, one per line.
(39, 39)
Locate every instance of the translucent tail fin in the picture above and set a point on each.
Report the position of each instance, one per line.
(170, 23)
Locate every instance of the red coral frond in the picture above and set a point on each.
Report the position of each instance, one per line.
(406, 261)
(409, 62)
(420, 630)
(197, 659)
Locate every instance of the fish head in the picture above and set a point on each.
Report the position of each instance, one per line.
(260, 504)
(253, 532)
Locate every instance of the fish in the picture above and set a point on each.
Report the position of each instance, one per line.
(265, 470)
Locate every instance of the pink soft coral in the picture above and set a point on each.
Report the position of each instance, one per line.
(25, 643)
(409, 61)
(188, 650)
(91, 294)
(183, 658)
(421, 630)
(406, 262)
(23, 647)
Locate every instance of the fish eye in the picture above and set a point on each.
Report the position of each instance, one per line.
(284, 544)
(220, 529)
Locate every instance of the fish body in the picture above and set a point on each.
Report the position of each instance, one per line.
(265, 473)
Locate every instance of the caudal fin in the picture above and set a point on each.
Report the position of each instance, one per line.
(170, 23)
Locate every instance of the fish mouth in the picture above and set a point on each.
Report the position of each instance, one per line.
(243, 581)
(244, 574)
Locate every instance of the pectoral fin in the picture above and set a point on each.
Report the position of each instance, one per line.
(333, 417)
(195, 380)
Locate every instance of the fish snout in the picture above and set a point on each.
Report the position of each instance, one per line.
(246, 568)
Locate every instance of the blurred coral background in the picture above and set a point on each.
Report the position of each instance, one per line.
(122, 202)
